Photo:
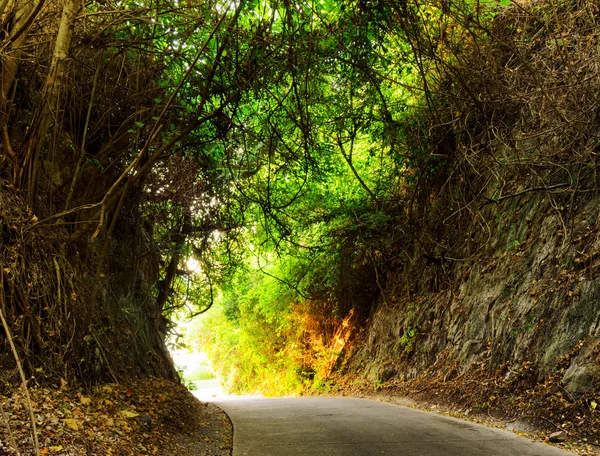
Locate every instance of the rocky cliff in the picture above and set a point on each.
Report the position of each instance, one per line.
(512, 329)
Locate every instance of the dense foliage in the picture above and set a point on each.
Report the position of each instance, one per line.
(277, 158)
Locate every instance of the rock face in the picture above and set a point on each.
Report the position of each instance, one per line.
(530, 294)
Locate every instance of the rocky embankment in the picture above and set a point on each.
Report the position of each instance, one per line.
(512, 331)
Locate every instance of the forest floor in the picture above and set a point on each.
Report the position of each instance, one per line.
(557, 422)
(144, 417)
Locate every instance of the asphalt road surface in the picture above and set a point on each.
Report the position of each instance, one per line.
(337, 426)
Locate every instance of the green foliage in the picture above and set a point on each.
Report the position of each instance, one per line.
(250, 333)
(407, 340)
(313, 168)
(272, 159)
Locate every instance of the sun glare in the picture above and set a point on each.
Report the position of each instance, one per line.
(192, 265)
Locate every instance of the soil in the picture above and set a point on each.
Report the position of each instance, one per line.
(145, 417)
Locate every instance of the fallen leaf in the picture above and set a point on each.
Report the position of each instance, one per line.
(129, 414)
(71, 423)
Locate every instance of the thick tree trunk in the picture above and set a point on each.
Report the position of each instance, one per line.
(10, 60)
(49, 101)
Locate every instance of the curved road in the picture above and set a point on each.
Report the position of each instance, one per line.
(338, 426)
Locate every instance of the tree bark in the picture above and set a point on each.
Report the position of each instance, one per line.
(49, 101)
(9, 64)
(10, 60)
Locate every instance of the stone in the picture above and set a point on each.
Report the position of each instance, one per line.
(557, 437)
(584, 371)
(387, 373)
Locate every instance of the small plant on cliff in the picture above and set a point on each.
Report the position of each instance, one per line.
(407, 341)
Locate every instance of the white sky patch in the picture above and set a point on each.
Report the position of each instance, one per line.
(226, 6)
(192, 265)
(216, 236)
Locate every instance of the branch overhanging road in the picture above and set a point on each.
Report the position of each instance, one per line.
(338, 426)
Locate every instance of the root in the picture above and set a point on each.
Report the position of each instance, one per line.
(19, 366)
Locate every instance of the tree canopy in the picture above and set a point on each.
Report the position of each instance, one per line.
(280, 158)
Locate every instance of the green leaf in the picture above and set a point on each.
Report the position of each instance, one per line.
(139, 124)
(97, 163)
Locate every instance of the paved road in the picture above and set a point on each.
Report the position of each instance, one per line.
(336, 426)
(208, 390)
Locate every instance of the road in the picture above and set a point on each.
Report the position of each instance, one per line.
(208, 390)
(337, 426)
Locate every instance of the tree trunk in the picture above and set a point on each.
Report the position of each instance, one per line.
(9, 64)
(49, 100)
(10, 60)
(180, 238)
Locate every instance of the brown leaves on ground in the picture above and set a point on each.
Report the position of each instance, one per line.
(145, 417)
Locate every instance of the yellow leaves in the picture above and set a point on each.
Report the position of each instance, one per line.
(122, 426)
(593, 404)
(107, 388)
(129, 414)
(112, 419)
(108, 417)
(72, 424)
